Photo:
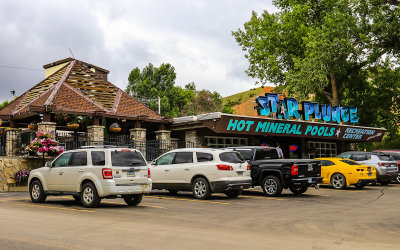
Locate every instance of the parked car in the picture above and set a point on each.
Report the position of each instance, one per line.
(91, 174)
(395, 153)
(384, 164)
(340, 173)
(202, 171)
(274, 174)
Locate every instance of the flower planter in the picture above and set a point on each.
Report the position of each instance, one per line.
(114, 129)
(73, 126)
(33, 126)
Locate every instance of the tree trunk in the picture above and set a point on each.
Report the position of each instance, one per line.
(335, 93)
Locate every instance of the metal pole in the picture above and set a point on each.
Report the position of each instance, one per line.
(159, 105)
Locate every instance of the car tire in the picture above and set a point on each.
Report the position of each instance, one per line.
(298, 189)
(201, 189)
(360, 186)
(36, 192)
(173, 192)
(89, 195)
(398, 179)
(272, 186)
(133, 200)
(338, 181)
(76, 197)
(233, 193)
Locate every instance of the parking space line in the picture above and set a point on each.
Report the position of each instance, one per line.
(121, 203)
(180, 199)
(266, 198)
(61, 208)
(318, 194)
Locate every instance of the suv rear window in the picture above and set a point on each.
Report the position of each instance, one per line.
(98, 158)
(127, 158)
(396, 156)
(231, 157)
(79, 159)
(385, 158)
(266, 154)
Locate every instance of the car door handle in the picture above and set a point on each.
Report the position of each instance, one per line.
(166, 170)
(187, 169)
(60, 173)
(81, 171)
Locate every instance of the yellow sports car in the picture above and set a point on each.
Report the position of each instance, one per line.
(341, 173)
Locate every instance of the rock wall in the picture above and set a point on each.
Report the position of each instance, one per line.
(10, 165)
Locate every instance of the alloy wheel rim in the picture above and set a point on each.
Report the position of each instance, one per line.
(398, 178)
(200, 188)
(35, 191)
(338, 181)
(88, 195)
(270, 186)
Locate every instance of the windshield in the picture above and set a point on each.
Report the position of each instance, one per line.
(127, 158)
(231, 157)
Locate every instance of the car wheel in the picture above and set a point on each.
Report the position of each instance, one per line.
(298, 189)
(359, 186)
(133, 200)
(233, 193)
(36, 192)
(76, 197)
(89, 195)
(272, 186)
(201, 189)
(338, 181)
(174, 192)
(398, 179)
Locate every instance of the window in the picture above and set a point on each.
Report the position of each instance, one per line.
(247, 154)
(98, 158)
(396, 156)
(321, 149)
(166, 159)
(202, 157)
(231, 157)
(62, 161)
(350, 162)
(266, 154)
(223, 142)
(79, 159)
(344, 155)
(358, 157)
(326, 163)
(127, 158)
(385, 158)
(183, 157)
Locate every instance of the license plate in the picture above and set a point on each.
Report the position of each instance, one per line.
(131, 174)
(369, 174)
(310, 180)
(240, 173)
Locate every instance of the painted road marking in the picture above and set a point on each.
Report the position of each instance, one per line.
(257, 197)
(61, 208)
(120, 203)
(180, 199)
(318, 194)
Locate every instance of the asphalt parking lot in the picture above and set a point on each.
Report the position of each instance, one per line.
(319, 219)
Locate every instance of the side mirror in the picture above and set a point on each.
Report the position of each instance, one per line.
(48, 164)
(153, 162)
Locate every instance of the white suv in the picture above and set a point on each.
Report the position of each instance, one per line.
(93, 173)
(202, 171)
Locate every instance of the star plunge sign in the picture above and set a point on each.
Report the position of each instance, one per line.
(288, 108)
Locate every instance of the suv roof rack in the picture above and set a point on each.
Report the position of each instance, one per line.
(104, 146)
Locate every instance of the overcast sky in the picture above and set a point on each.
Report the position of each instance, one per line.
(192, 35)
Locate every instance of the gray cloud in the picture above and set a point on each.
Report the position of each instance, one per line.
(194, 36)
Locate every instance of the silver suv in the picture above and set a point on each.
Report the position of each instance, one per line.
(91, 174)
(385, 165)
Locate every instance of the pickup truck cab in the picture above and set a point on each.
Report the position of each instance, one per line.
(273, 174)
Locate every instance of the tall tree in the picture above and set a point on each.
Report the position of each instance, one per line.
(343, 51)
(152, 83)
(311, 46)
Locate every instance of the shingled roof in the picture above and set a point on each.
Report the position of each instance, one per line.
(78, 88)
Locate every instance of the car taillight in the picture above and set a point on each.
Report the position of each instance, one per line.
(224, 167)
(295, 170)
(383, 164)
(148, 173)
(248, 166)
(107, 173)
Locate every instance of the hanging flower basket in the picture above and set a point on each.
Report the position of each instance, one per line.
(33, 126)
(114, 128)
(73, 126)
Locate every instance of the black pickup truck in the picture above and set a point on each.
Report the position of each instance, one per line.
(274, 174)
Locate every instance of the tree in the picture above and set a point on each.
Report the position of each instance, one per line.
(3, 104)
(343, 51)
(152, 83)
(312, 46)
(204, 101)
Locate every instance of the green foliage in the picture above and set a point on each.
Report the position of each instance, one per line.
(227, 110)
(343, 51)
(152, 82)
(237, 98)
(204, 101)
(3, 104)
